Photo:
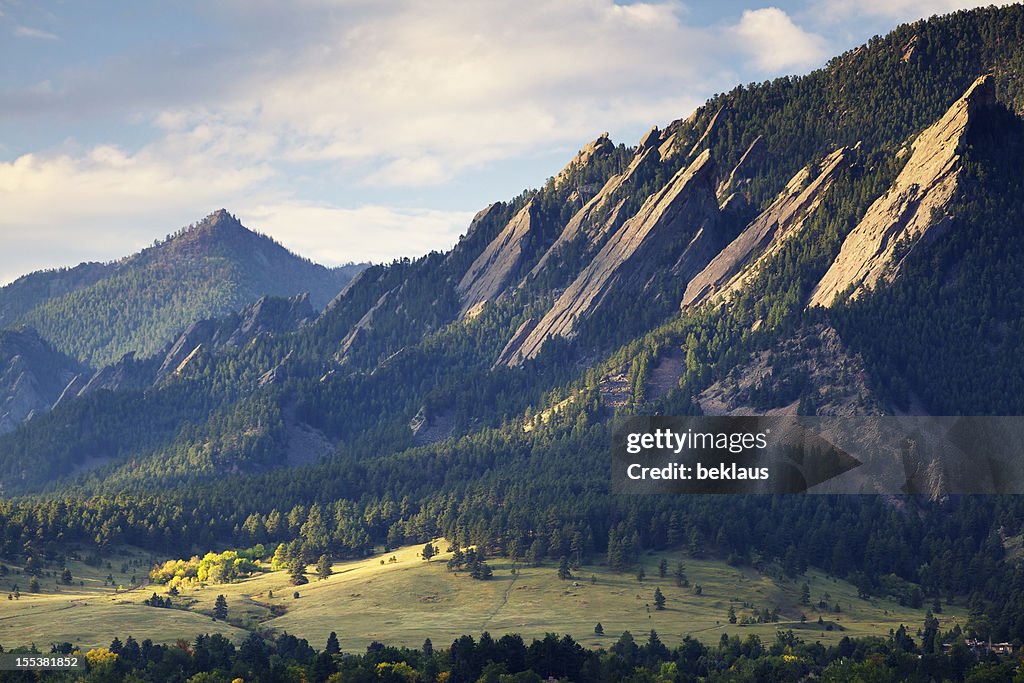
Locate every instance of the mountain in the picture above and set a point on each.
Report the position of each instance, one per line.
(98, 313)
(842, 243)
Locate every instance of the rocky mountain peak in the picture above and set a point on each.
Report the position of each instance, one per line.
(677, 221)
(499, 263)
(913, 205)
(599, 147)
(741, 260)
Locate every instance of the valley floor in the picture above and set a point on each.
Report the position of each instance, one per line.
(405, 601)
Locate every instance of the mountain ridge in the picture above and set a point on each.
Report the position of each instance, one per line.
(138, 303)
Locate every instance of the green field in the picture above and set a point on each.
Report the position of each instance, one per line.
(89, 613)
(406, 601)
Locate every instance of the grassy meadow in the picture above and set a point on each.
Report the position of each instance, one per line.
(405, 600)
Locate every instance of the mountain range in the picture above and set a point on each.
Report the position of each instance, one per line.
(845, 242)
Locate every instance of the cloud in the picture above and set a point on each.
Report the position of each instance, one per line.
(27, 32)
(335, 235)
(431, 90)
(836, 11)
(775, 43)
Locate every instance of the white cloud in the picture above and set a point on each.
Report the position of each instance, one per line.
(835, 11)
(28, 32)
(334, 235)
(432, 90)
(775, 43)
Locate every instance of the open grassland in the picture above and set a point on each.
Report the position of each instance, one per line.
(407, 600)
(92, 611)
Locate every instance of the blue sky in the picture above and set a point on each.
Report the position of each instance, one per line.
(353, 129)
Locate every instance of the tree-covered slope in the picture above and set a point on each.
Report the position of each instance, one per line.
(140, 303)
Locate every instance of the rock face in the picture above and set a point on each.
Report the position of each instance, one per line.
(499, 263)
(603, 213)
(744, 170)
(32, 376)
(707, 132)
(362, 326)
(741, 260)
(676, 223)
(268, 315)
(598, 148)
(912, 206)
(508, 353)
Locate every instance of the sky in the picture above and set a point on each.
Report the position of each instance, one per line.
(353, 130)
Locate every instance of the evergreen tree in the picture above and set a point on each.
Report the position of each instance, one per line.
(297, 571)
(680, 574)
(659, 599)
(323, 567)
(333, 646)
(220, 608)
(563, 568)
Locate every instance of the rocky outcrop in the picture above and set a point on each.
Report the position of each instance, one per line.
(603, 213)
(474, 225)
(676, 223)
(707, 132)
(744, 170)
(913, 205)
(602, 146)
(271, 315)
(500, 262)
(185, 346)
(268, 315)
(765, 234)
(512, 347)
(427, 427)
(125, 374)
(32, 376)
(361, 328)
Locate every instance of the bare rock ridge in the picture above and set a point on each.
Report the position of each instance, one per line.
(741, 260)
(499, 263)
(361, 328)
(912, 206)
(599, 147)
(678, 219)
(268, 315)
(603, 212)
(707, 132)
(744, 170)
(508, 353)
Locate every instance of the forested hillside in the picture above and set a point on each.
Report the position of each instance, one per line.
(97, 313)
